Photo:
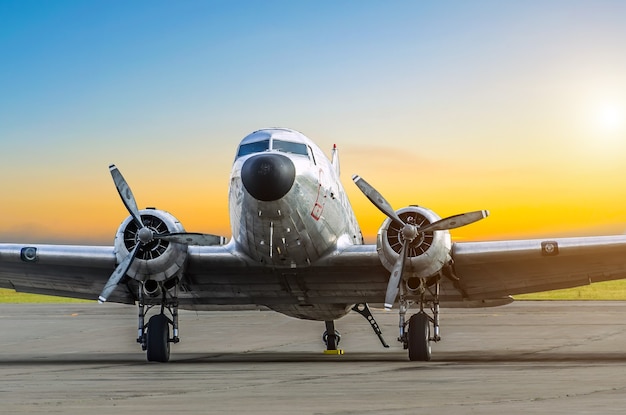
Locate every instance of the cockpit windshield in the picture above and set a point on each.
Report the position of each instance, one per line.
(256, 147)
(278, 145)
(290, 147)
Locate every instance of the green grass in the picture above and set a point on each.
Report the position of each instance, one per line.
(610, 290)
(12, 297)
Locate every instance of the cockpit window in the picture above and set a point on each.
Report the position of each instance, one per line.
(290, 147)
(256, 147)
(278, 145)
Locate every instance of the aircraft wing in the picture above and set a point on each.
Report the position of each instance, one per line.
(484, 271)
(80, 271)
(60, 270)
(214, 275)
(495, 269)
(217, 275)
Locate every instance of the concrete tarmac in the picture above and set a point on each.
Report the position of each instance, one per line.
(527, 357)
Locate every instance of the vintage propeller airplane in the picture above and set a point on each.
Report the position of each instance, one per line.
(296, 248)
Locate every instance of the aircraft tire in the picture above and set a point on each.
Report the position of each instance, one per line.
(419, 337)
(157, 341)
(331, 340)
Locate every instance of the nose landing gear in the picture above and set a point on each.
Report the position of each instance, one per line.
(331, 338)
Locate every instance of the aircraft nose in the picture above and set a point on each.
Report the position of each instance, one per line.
(268, 177)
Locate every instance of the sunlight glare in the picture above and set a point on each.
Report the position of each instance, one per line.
(610, 118)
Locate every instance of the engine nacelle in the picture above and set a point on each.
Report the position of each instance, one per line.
(157, 260)
(427, 254)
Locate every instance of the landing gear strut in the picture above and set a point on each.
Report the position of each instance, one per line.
(364, 310)
(332, 338)
(419, 336)
(155, 336)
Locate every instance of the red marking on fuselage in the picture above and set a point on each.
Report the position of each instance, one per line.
(318, 206)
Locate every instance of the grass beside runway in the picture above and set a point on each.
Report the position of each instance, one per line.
(607, 291)
(12, 297)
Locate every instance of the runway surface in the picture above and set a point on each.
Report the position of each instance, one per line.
(528, 357)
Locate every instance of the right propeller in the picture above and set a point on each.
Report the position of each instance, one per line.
(409, 230)
(145, 235)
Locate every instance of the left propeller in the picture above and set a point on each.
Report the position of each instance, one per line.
(145, 235)
(409, 231)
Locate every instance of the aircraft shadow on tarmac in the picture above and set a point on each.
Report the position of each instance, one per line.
(447, 358)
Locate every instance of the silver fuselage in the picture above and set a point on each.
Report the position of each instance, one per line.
(311, 220)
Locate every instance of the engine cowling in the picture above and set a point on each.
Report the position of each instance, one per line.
(157, 260)
(427, 254)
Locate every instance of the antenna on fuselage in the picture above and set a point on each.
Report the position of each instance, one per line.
(335, 159)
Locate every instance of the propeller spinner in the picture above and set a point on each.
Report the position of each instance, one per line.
(409, 231)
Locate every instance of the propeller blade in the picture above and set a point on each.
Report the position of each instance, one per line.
(117, 275)
(394, 279)
(189, 238)
(455, 221)
(376, 198)
(126, 194)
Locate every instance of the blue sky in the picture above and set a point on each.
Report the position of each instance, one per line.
(455, 105)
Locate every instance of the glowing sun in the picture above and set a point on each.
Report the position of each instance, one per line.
(610, 118)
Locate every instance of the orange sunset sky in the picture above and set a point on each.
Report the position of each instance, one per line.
(514, 107)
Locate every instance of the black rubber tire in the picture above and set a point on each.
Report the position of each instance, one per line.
(331, 341)
(157, 341)
(419, 337)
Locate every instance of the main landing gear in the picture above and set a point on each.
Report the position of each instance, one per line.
(419, 336)
(155, 336)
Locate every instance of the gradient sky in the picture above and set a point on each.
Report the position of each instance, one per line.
(515, 107)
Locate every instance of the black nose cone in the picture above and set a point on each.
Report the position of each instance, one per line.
(268, 177)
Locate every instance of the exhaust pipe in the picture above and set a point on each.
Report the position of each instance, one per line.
(152, 288)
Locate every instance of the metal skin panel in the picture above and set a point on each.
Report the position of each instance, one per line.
(63, 270)
(353, 275)
(515, 267)
(302, 255)
(297, 229)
